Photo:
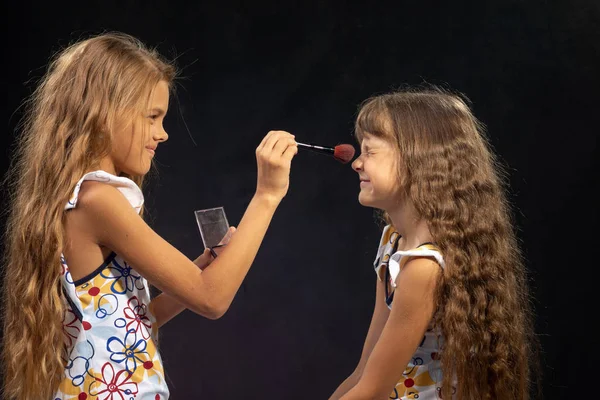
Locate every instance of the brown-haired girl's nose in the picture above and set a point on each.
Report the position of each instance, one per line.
(357, 164)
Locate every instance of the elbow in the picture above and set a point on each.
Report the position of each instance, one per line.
(377, 393)
(210, 301)
(215, 313)
(367, 392)
(212, 309)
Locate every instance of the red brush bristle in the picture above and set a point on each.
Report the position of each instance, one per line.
(343, 153)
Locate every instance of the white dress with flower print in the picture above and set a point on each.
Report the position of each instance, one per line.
(109, 329)
(422, 377)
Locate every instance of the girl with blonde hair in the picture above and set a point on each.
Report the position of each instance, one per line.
(78, 318)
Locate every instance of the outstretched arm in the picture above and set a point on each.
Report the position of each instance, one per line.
(210, 292)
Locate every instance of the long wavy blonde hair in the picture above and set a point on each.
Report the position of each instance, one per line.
(65, 132)
(449, 173)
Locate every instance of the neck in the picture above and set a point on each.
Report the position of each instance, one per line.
(107, 165)
(411, 227)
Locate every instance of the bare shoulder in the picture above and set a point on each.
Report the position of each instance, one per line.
(95, 194)
(102, 203)
(107, 213)
(415, 287)
(420, 269)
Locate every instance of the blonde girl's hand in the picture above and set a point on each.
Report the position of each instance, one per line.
(274, 158)
(207, 257)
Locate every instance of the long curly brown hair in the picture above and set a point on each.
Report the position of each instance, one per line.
(66, 130)
(457, 185)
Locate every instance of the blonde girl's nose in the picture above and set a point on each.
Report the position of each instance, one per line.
(161, 135)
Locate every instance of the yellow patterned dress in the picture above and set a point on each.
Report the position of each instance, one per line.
(108, 327)
(422, 377)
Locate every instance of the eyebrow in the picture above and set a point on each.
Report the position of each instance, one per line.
(158, 110)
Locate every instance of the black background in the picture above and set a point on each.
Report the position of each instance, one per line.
(296, 328)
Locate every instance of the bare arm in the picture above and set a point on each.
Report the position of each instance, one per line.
(210, 292)
(164, 307)
(411, 313)
(378, 320)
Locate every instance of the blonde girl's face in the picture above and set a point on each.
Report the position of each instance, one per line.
(134, 146)
(378, 174)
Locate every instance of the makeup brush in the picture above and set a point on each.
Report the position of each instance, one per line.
(342, 152)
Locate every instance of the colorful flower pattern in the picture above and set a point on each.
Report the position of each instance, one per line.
(108, 326)
(423, 375)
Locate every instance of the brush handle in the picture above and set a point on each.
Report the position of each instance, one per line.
(317, 149)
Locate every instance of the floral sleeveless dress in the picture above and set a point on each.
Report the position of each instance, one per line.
(422, 377)
(109, 330)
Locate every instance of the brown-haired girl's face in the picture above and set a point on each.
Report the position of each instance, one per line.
(133, 147)
(377, 170)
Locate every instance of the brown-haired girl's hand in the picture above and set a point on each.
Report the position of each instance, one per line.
(274, 158)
